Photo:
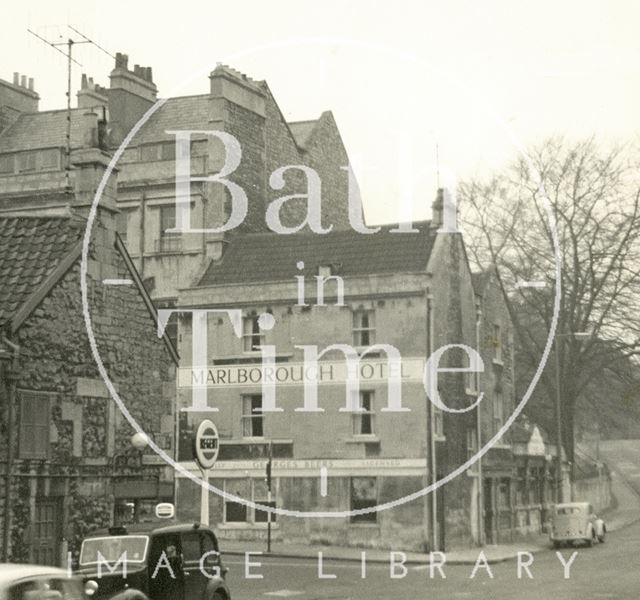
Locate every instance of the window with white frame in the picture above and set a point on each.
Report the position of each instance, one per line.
(253, 490)
(252, 336)
(364, 329)
(252, 416)
(364, 421)
(168, 241)
(364, 494)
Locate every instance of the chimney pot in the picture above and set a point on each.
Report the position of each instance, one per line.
(23, 81)
(16, 78)
(31, 83)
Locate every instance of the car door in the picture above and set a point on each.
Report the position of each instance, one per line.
(195, 580)
(211, 561)
(165, 573)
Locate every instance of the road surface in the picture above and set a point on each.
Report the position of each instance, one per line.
(608, 571)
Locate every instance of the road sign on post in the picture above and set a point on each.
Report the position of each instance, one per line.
(206, 446)
(269, 497)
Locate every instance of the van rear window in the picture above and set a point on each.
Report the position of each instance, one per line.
(568, 510)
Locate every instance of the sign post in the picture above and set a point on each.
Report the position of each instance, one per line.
(206, 446)
(269, 498)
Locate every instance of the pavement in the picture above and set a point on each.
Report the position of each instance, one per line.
(623, 459)
(494, 553)
(622, 456)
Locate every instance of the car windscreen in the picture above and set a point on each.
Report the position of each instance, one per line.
(129, 548)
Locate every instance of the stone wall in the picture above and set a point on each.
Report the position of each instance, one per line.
(86, 430)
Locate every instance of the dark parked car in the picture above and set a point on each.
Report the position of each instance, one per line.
(33, 582)
(174, 562)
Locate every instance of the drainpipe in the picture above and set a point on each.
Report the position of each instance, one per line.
(12, 377)
(141, 241)
(432, 434)
(481, 537)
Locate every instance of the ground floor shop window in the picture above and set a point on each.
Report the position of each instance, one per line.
(364, 494)
(253, 490)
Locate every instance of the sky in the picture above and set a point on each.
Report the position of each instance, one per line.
(425, 93)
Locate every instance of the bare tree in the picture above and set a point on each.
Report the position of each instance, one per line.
(593, 197)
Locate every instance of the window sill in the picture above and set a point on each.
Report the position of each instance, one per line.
(498, 362)
(364, 525)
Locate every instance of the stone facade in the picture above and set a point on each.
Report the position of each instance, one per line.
(71, 462)
(395, 456)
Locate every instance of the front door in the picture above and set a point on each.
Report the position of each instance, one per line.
(47, 531)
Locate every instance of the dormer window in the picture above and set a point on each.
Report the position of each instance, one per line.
(325, 271)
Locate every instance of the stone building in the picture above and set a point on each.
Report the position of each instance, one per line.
(68, 462)
(33, 143)
(411, 290)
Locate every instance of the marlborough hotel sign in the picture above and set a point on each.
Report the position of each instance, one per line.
(299, 373)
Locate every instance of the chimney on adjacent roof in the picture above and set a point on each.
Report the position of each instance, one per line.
(16, 98)
(91, 95)
(437, 209)
(89, 166)
(130, 94)
(444, 212)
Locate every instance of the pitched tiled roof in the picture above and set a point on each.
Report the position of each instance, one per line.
(30, 249)
(273, 257)
(184, 112)
(47, 129)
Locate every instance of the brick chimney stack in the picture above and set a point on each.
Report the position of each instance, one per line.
(130, 95)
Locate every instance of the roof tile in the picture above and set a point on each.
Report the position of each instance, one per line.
(30, 249)
(273, 257)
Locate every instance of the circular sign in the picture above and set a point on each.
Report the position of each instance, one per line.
(206, 445)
